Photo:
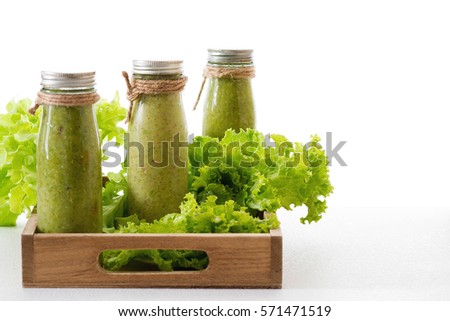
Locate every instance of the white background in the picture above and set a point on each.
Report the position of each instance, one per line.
(375, 73)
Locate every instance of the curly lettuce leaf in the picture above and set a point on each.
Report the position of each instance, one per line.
(242, 168)
(18, 132)
(109, 114)
(114, 199)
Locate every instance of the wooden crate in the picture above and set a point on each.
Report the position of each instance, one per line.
(72, 259)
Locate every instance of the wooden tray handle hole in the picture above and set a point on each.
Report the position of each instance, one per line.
(153, 260)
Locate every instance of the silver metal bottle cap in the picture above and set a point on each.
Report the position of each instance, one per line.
(61, 80)
(158, 67)
(230, 55)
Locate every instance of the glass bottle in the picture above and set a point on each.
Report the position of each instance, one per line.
(157, 145)
(69, 177)
(229, 101)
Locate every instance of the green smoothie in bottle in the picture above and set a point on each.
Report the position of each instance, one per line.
(69, 177)
(229, 96)
(157, 146)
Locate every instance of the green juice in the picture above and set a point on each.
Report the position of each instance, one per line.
(69, 177)
(229, 104)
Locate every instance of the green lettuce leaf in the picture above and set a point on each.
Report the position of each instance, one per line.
(109, 114)
(242, 168)
(114, 199)
(18, 132)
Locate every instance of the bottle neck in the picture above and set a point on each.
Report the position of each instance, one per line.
(231, 64)
(157, 77)
(65, 91)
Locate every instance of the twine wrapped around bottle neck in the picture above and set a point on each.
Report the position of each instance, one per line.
(70, 100)
(137, 87)
(224, 72)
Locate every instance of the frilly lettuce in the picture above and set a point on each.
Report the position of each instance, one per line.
(242, 168)
(18, 131)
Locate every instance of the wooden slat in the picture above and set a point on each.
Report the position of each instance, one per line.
(277, 257)
(28, 252)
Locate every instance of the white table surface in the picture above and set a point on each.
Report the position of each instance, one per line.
(352, 254)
